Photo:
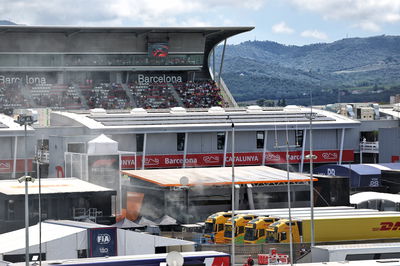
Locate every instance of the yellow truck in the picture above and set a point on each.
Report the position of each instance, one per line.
(255, 230)
(376, 226)
(214, 227)
(240, 222)
(215, 223)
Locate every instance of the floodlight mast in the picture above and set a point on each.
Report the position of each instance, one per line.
(25, 120)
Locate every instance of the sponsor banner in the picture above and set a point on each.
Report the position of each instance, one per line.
(102, 242)
(7, 166)
(241, 158)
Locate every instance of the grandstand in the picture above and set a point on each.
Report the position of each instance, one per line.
(70, 68)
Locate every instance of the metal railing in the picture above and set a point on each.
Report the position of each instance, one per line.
(369, 147)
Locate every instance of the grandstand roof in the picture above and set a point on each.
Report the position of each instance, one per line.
(212, 35)
(137, 30)
(209, 120)
(212, 176)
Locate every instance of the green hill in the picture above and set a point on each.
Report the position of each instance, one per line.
(348, 70)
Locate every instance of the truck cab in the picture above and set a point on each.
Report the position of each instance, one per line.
(279, 232)
(214, 227)
(240, 222)
(255, 230)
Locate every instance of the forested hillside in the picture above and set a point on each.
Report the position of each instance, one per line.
(349, 70)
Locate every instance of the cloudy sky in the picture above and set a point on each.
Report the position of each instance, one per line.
(296, 22)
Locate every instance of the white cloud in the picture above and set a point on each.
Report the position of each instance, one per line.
(314, 34)
(117, 12)
(365, 14)
(282, 28)
(368, 26)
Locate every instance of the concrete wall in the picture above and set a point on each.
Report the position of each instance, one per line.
(389, 144)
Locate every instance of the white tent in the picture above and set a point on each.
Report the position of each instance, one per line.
(73, 236)
(102, 145)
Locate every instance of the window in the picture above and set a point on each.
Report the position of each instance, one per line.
(76, 147)
(220, 140)
(260, 139)
(139, 142)
(241, 229)
(299, 138)
(220, 227)
(180, 141)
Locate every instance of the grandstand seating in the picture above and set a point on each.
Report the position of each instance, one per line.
(153, 96)
(105, 95)
(11, 96)
(198, 94)
(55, 96)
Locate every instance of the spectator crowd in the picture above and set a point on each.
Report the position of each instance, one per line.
(88, 95)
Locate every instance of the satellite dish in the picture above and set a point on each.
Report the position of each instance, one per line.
(174, 258)
(184, 181)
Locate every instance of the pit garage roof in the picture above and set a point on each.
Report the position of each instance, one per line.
(216, 176)
(370, 195)
(360, 174)
(50, 186)
(203, 119)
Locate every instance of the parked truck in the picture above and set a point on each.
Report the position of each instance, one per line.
(214, 227)
(215, 223)
(240, 222)
(381, 225)
(255, 230)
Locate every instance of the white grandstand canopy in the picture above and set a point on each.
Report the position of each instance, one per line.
(200, 119)
(217, 176)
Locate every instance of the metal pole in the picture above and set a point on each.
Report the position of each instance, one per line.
(289, 199)
(311, 175)
(26, 201)
(222, 63)
(40, 207)
(233, 193)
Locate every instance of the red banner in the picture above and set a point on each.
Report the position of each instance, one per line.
(7, 166)
(241, 158)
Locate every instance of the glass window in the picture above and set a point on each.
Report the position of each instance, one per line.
(180, 141)
(260, 139)
(241, 229)
(76, 147)
(220, 140)
(220, 227)
(139, 142)
(299, 138)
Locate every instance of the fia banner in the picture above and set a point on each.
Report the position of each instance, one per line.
(102, 242)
